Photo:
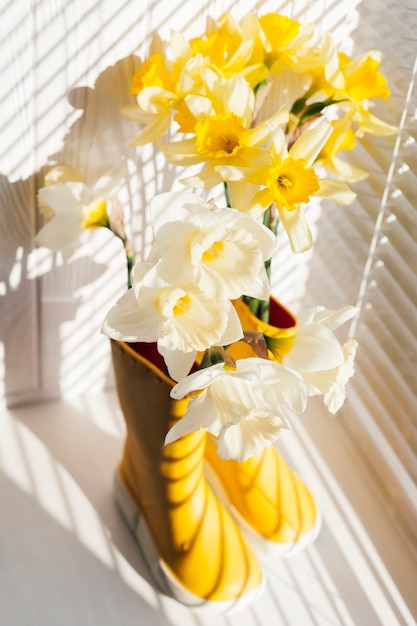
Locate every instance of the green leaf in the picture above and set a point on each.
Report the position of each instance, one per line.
(298, 106)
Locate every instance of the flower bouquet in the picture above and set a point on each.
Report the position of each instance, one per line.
(208, 364)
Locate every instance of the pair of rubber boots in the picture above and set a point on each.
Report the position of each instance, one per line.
(199, 520)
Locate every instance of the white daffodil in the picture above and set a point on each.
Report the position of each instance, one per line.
(221, 251)
(317, 355)
(181, 319)
(56, 175)
(77, 209)
(243, 407)
(332, 383)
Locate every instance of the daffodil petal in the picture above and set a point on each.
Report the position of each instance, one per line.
(233, 331)
(336, 190)
(240, 57)
(287, 386)
(243, 440)
(346, 171)
(199, 106)
(242, 407)
(315, 348)
(332, 383)
(126, 322)
(369, 123)
(231, 172)
(297, 228)
(63, 201)
(156, 100)
(136, 114)
(181, 152)
(207, 178)
(153, 130)
(240, 194)
(201, 413)
(178, 363)
(331, 63)
(261, 201)
(197, 380)
(63, 232)
(309, 144)
(59, 236)
(279, 145)
(269, 127)
(329, 318)
(336, 394)
(237, 97)
(172, 206)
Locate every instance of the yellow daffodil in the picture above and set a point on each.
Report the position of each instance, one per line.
(341, 78)
(350, 84)
(341, 139)
(153, 112)
(223, 135)
(363, 79)
(229, 51)
(322, 65)
(155, 85)
(153, 73)
(284, 40)
(289, 180)
(158, 103)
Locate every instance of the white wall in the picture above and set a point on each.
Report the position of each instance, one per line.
(66, 69)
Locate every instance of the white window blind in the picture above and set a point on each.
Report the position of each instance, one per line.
(366, 254)
(382, 413)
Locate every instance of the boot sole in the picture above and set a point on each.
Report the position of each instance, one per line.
(161, 575)
(263, 547)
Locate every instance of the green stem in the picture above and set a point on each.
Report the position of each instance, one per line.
(227, 194)
(129, 262)
(212, 356)
(260, 308)
(270, 221)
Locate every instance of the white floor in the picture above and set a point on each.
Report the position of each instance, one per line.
(67, 559)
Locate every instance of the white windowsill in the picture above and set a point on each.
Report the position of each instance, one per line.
(67, 557)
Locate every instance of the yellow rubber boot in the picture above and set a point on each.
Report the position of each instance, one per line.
(192, 546)
(275, 510)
